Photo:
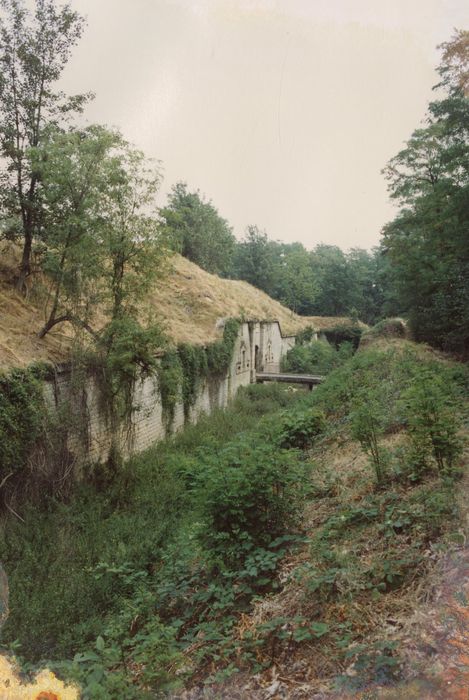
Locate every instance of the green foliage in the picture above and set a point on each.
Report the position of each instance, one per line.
(256, 260)
(346, 333)
(102, 246)
(34, 50)
(324, 281)
(368, 420)
(378, 392)
(430, 410)
(305, 335)
(109, 559)
(194, 363)
(296, 285)
(426, 243)
(151, 647)
(22, 413)
(247, 496)
(170, 377)
(298, 428)
(344, 564)
(220, 353)
(168, 557)
(195, 229)
(182, 370)
(316, 358)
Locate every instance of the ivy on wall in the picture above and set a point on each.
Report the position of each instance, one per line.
(22, 410)
(183, 370)
(25, 420)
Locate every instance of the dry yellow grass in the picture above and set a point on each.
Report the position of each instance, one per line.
(189, 301)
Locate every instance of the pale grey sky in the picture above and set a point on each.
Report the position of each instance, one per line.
(282, 112)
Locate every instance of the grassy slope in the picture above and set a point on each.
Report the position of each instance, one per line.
(188, 301)
(374, 558)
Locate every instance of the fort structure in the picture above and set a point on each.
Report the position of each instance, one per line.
(259, 347)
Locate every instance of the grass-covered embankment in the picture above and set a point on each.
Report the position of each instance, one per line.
(386, 484)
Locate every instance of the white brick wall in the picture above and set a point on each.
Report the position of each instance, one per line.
(148, 420)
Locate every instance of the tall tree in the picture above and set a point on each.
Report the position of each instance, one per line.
(34, 49)
(75, 170)
(103, 244)
(256, 260)
(296, 286)
(428, 242)
(329, 265)
(195, 229)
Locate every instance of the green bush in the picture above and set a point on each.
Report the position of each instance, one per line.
(299, 427)
(430, 410)
(247, 494)
(317, 358)
(368, 419)
(344, 333)
(305, 335)
(22, 414)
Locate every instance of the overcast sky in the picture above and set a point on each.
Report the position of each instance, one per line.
(281, 112)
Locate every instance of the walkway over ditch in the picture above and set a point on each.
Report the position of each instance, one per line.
(308, 379)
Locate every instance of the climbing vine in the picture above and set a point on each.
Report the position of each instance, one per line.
(169, 380)
(22, 412)
(194, 366)
(220, 353)
(182, 370)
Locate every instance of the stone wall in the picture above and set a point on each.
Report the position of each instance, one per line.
(259, 346)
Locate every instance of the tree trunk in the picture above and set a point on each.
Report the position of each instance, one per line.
(25, 267)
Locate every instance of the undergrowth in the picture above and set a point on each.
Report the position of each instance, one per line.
(157, 579)
(176, 547)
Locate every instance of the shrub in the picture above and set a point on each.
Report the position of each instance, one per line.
(317, 358)
(430, 410)
(367, 421)
(247, 495)
(22, 410)
(305, 335)
(299, 427)
(350, 333)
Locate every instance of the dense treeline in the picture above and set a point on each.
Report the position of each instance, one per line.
(421, 269)
(324, 281)
(81, 201)
(427, 244)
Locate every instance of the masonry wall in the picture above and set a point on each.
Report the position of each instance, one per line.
(259, 346)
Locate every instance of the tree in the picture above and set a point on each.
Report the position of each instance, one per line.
(103, 252)
(329, 265)
(367, 293)
(454, 67)
(132, 254)
(296, 286)
(34, 49)
(75, 169)
(103, 245)
(428, 242)
(256, 260)
(195, 229)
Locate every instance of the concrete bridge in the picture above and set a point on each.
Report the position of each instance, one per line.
(306, 379)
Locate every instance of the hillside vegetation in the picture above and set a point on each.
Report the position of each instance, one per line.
(312, 531)
(187, 300)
